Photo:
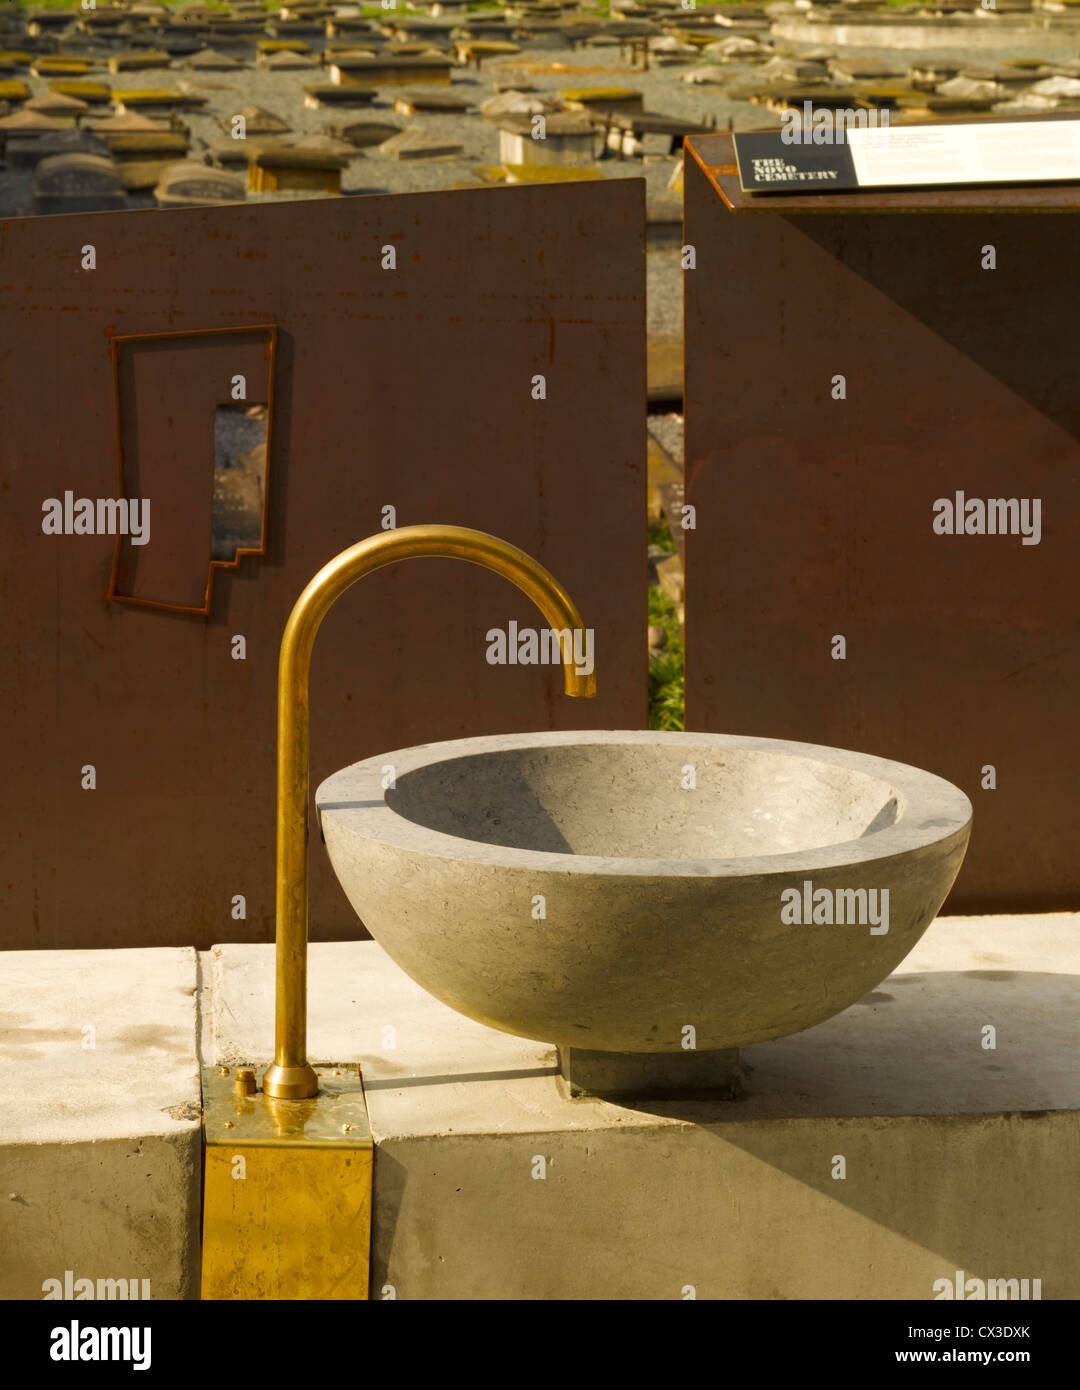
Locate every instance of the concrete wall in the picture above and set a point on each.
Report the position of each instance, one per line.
(957, 1155)
(491, 1184)
(100, 1133)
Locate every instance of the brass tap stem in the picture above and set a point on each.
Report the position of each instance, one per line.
(291, 1076)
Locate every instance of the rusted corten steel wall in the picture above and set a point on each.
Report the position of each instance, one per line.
(815, 513)
(410, 387)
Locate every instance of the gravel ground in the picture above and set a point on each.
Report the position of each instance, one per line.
(372, 172)
(664, 291)
(668, 431)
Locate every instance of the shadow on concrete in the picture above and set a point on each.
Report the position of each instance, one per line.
(934, 1128)
(395, 1083)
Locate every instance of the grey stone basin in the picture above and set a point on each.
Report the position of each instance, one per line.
(606, 891)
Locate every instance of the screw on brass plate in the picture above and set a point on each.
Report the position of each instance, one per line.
(244, 1085)
(335, 1072)
(346, 1129)
(223, 1071)
(227, 1124)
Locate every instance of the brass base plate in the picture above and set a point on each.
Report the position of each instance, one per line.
(287, 1190)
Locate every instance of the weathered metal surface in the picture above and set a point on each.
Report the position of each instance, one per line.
(814, 514)
(168, 387)
(409, 387)
(287, 1188)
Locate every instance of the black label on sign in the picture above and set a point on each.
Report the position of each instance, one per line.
(770, 164)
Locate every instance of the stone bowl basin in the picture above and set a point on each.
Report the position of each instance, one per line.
(607, 890)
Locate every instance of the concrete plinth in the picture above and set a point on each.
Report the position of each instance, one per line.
(100, 1142)
(932, 1127)
(667, 1075)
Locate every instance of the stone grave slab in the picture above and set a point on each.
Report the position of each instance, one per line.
(77, 183)
(661, 471)
(156, 99)
(476, 50)
(235, 154)
(330, 94)
(387, 71)
(132, 120)
(412, 103)
(38, 21)
(167, 145)
(342, 25)
(285, 62)
(296, 28)
(414, 143)
(61, 67)
(189, 184)
(603, 98)
(96, 93)
(290, 167)
(257, 121)
(516, 102)
(405, 29)
(364, 134)
(139, 62)
(26, 122)
(27, 151)
(142, 175)
(210, 60)
(58, 106)
(282, 46)
(325, 143)
(571, 137)
(665, 368)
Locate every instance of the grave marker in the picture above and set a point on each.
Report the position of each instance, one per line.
(77, 183)
(414, 143)
(188, 184)
(570, 138)
(290, 167)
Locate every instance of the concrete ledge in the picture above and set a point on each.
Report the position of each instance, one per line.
(490, 1184)
(100, 1141)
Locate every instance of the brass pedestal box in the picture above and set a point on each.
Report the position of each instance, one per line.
(287, 1188)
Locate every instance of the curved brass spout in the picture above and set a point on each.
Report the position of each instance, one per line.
(291, 1076)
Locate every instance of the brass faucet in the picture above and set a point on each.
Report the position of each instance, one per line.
(291, 1077)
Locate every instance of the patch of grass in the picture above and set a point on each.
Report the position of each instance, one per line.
(661, 609)
(667, 678)
(660, 534)
(667, 691)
